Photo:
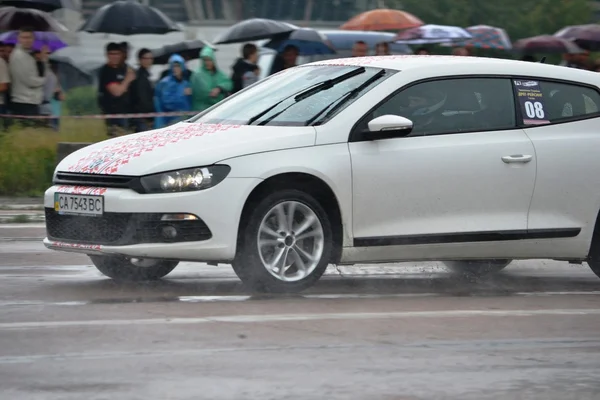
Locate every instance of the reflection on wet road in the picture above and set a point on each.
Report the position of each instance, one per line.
(405, 331)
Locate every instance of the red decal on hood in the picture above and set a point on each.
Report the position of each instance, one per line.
(109, 158)
(81, 190)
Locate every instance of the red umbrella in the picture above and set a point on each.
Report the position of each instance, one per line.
(585, 36)
(546, 44)
(382, 19)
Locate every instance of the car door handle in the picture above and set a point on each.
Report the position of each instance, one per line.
(517, 158)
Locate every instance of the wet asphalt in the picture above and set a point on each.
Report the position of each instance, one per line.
(390, 332)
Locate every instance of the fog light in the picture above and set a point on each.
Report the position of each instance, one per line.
(168, 232)
(178, 217)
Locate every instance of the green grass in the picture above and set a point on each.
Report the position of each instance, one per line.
(28, 155)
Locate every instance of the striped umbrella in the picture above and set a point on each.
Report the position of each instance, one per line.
(485, 37)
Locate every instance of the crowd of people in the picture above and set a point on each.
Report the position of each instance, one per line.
(29, 85)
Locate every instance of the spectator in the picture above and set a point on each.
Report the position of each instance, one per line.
(28, 76)
(422, 51)
(7, 50)
(382, 49)
(360, 49)
(142, 91)
(173, 93)
(125, 47)
(4, 84)
(245, 69)
(187, 74)
(287, 59)
(114, 81)
(209, 84)
(52, 93)
(461, 52)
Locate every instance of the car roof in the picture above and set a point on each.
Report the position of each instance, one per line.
(460, 65)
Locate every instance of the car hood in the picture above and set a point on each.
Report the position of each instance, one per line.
(182, 145)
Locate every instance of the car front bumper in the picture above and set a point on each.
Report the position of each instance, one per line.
(130, 223)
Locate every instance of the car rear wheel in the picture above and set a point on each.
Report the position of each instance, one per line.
(477, 267)
(286, 243)
(133, 270)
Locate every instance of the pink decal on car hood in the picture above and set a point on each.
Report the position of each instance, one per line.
(81, 190)
(109, 158)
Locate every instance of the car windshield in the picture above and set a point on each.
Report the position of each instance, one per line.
(278, 95)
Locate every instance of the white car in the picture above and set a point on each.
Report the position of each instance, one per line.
(472, 161)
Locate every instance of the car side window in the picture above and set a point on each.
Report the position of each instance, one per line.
(450, 106)
(564, 101)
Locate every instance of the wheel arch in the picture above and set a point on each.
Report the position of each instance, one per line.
(314, 186)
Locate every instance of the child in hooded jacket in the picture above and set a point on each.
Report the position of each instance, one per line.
(173, 93)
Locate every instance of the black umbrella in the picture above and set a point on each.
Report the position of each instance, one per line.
(42, 5)
(308, 42)
(12, 19)
(188, 49)
(255, 29)
(129, 18)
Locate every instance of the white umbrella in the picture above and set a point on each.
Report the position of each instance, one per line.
(428, 34)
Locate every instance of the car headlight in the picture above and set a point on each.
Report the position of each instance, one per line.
(185, 180)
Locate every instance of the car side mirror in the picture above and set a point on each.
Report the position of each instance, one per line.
(387, 127)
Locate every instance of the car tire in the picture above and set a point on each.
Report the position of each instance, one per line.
(122, 269)
(275, 258)
(476, 268)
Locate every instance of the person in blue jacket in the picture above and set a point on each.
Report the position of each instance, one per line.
(173, 93)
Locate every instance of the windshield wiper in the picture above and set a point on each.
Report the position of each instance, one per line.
(343, 99)
(307, 93)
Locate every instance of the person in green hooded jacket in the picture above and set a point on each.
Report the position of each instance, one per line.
(209, 84)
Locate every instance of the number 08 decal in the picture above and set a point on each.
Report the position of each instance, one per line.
(534, 109)
(531, 100)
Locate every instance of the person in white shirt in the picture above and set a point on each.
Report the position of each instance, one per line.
(28, 76)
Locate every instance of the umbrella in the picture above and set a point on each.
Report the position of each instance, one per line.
(546, 44)
(255, 29)
(73, 69)
(189, 49)
(42, 5)
(585, 36)
(432, 34)
(487, 37)
(344, 40)
(382, 19)
(50, 39)
(12, 18)
(128, 17)
(308, 41)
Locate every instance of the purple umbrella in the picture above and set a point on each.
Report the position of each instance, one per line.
(50, 39)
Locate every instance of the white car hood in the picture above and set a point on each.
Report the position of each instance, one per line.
(182, 145)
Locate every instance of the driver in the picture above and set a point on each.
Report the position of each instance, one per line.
(422, 108)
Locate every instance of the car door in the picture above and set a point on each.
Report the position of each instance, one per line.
(464, 174)
(563, 123)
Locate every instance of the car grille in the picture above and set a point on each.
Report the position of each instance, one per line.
(119, 229)
(94, 180)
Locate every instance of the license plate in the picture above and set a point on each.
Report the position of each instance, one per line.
(78, 204)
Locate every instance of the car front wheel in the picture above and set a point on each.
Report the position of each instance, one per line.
(477, 267)
(133, 270)
(286, 243)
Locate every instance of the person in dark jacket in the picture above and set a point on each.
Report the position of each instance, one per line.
(245, 70)
(142, 92)
(286, 59)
